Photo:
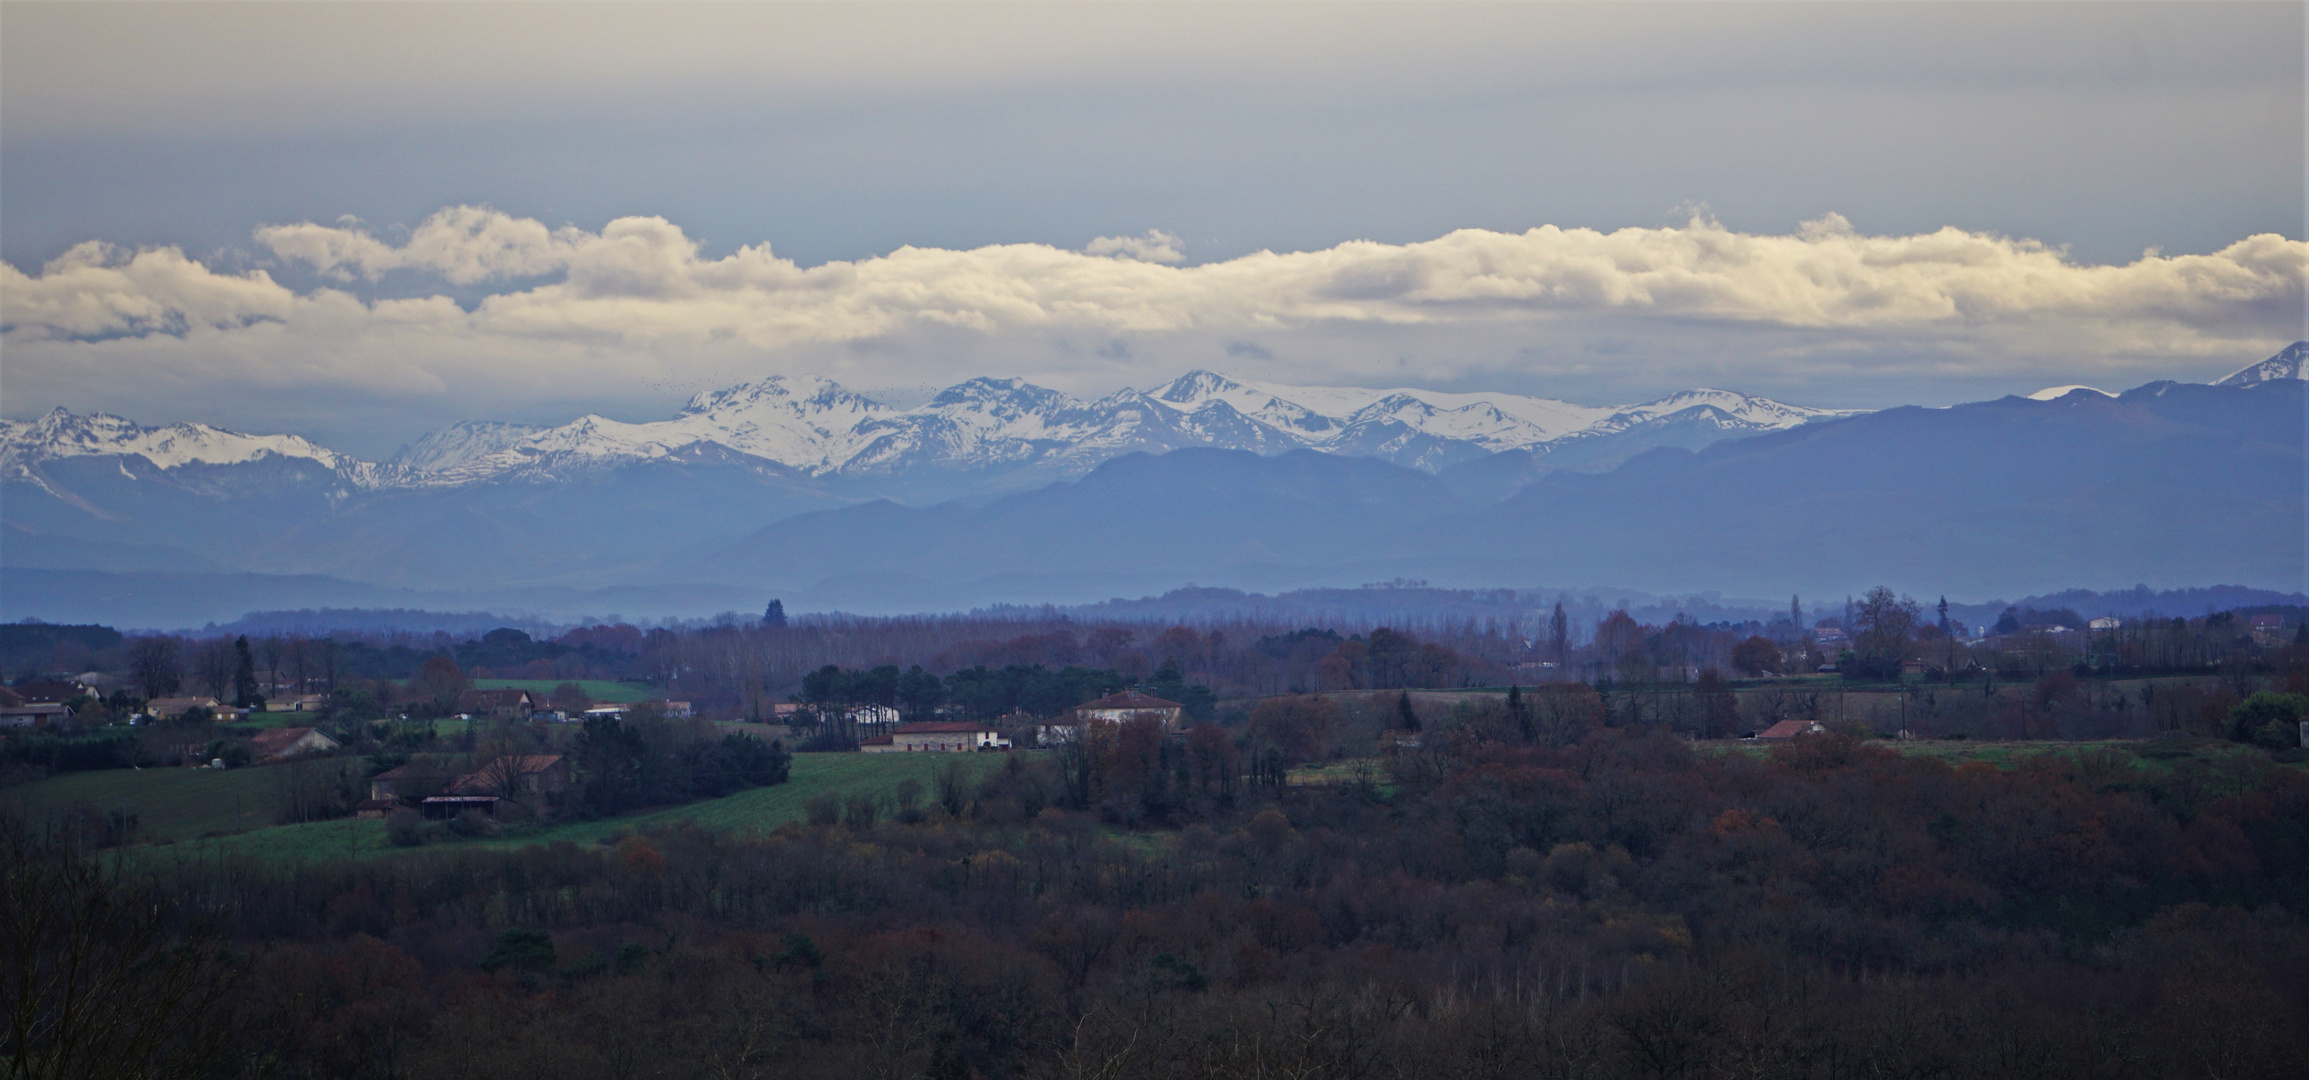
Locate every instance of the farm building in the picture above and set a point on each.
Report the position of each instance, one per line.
(282, 743)
(946, 737)
(499, 704)
(1789, 729)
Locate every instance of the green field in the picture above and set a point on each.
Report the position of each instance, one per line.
(169, 804)
(758, 810)
(597, 689)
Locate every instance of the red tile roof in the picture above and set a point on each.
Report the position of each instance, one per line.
(1786, 729)
(505, 768)
(274, 740)
(942, 728)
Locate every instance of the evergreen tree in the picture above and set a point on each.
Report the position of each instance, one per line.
(1409, 717)
(774, 616)
(1559, 634)
(245, 689)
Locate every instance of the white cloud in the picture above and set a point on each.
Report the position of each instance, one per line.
(1156, 246)
(462, 244)
(639, 302)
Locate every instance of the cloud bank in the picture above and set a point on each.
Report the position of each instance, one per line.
(570, 313)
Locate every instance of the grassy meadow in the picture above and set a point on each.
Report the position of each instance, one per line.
(757, 810)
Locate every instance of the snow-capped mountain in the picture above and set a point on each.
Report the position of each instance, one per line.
(26, 445)
(458, 444)
(1007, 431)
(2284, 365)
(817, 428)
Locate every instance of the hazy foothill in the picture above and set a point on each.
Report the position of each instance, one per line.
(869, 541)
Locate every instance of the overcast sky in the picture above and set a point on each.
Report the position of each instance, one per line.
(359, 223)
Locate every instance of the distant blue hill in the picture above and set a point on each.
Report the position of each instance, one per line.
(2175, 486)
(2172, 484)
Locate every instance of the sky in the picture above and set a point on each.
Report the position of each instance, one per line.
(359, 222)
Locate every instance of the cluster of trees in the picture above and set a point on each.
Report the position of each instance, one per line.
(622, 765)
(990, 694)
(1035, 661)
(1526, 896)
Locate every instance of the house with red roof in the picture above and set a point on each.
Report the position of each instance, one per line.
(278, 744)
(501, 704)
(1789, 729)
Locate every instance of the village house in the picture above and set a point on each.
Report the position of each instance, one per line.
(1789, 729)
(297, 703)
(1131, 705)
(50, 691)
(496, 704)
(942, 736)
(278, 744)
(170, 708)
(678, 710)
(408, 782)
(34, 714)
(1112, 709)
(515, 775)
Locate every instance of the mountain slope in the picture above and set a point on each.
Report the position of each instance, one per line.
(2284, 365)
(2169, 483)
(1198, 511)
(985, 428)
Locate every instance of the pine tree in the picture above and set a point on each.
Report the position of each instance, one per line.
(1409, 717)
(774, 616)
(245, 676)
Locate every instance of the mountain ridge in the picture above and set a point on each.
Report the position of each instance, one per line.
(817, 428)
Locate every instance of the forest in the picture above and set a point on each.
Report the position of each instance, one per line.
(1586, 901)
(1369, 852)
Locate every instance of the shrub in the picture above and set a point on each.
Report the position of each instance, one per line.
(473, 823)
(526, 950)
(404, 828)
(2268, 719)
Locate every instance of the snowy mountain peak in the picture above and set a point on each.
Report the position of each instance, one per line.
(459, 444)
(2285, 365)
(814, 426)
(793, 392)
(1195, 387)
(60, 434)
(998, 393)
